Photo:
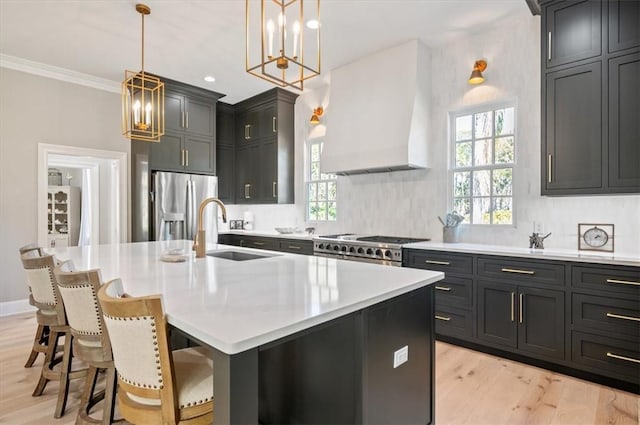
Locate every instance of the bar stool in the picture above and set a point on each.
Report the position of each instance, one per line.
(91, 344)
(155, 384)
(42, 331)
(46, 297)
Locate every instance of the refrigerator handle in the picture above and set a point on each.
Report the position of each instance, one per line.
(191, 205)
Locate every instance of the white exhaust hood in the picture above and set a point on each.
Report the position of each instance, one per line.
(377, 118)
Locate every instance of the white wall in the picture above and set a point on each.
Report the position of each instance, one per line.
(407, 203)
(36, 110)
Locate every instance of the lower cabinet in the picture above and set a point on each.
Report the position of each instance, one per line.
(293, 246)
(529, 319)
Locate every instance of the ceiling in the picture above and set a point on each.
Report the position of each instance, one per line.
(188, 39)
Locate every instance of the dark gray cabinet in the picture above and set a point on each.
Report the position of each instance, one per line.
(541, 327)
(497, 314)
(573, 152)
(290, 245)
(624, 124)
(573, 31)
(590, 97)
(225, 152)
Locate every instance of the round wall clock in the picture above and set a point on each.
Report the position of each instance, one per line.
(595, 237)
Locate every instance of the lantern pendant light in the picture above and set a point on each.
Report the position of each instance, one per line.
(142, 99)
(283, 41)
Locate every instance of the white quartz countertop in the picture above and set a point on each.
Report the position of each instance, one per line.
(234, 306)
(546, 254)
(268, 233)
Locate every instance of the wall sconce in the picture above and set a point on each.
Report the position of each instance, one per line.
(476, 75)
(317, 113)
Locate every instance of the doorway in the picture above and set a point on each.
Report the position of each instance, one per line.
(98, 179)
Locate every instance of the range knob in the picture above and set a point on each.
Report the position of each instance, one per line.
(378, 253)
(343, 249)
(327, 246)
(387, 253)
(369, 251)
(336, 247)
(321, 246)
(352, 250)
(360, 251)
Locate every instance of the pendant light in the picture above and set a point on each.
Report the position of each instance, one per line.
(142, 99)
(283, 40)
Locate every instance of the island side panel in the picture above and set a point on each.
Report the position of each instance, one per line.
(235, 387)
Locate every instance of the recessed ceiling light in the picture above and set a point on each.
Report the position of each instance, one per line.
(209, 78)
(313, 24)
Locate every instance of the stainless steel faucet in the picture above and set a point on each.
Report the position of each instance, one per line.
(200, 242)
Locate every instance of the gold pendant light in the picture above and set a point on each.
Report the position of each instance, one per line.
(142, 99)
(283, 40)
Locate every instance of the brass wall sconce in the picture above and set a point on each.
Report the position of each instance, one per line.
(476, 75)
(317, 113)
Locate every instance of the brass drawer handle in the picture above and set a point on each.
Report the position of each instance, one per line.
(273, 125)
(273, 190)
(513, 306)
(442, 263)
(628, 359)
(259, 243)
(443, 288)
(619, 316)
(294, 247)
(623, 282)
(520, 307)
(529, 272)
(445, 318)
(549, 170)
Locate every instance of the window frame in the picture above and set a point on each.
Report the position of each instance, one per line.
(308, 182)
(477, 109)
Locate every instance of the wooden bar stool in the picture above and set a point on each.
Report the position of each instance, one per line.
(46, 297)
(91, 344)
(155, 385)
(42, 332)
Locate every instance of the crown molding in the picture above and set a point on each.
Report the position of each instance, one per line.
(57, 73)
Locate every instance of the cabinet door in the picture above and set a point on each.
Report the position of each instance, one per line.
(624, 122)
(268, 177)
(167, 154)
(225, 124)
(624, 24)
(573, 31)
(572, 161)
(541, 322)
(497, 314)
(247, 126)
(268, 121)
(200, 117)
(174, 105)
(199, 154)
(225, 172)
(246, 172)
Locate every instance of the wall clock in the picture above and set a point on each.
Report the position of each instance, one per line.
(595, 237)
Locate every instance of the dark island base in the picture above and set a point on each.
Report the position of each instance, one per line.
(587, 376)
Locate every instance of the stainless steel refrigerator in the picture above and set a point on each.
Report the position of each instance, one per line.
(175, 198)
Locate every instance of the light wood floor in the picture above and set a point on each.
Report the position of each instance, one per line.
(471, 388)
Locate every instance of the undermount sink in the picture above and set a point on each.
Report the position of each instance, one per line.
(237, 255)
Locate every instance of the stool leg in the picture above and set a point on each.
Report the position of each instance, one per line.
(109, 396)
(38, 340)
(63, 389)
(87, 394)
(49, 358)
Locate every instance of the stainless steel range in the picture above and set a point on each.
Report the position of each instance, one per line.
(370, 249)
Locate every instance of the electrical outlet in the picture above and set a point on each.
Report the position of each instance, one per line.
(400, 356)
(538, 227)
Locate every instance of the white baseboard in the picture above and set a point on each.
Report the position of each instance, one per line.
(8, 308)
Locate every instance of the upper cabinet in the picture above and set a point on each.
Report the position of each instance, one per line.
(591, 97)
(265, 148)
(189, 143)
(225, 151)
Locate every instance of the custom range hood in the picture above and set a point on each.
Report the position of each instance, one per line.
(378, 115)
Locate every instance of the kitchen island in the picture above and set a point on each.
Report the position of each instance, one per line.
(295, 339)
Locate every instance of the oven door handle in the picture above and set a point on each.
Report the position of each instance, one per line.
(358, 259)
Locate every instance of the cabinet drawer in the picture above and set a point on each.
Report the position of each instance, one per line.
(295, 246)
(522, 271)
(607, 356)
(440, 261)
(454, 291)
(607, 314)
(454, 322)
(619, 280)
(260, 243)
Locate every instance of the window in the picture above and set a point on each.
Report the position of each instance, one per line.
(482, 165)
(321, 188)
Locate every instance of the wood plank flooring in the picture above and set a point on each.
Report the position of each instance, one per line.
(471, 388)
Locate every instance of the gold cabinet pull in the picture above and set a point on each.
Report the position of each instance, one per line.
(293, 247)
(258, 243)
(445, 318)
(247, 130)
(187, 118)
(620, 316)
(182, 157)
(520, 306)
(518, 271)
(182, 119)
(442, 263)
(623, 282)
(513, 306)
(247, 191)
(186, 162)
(549, 160)
(273, 125)
(619, 357)
(443, 288)
(273, 190)
(549, 46)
